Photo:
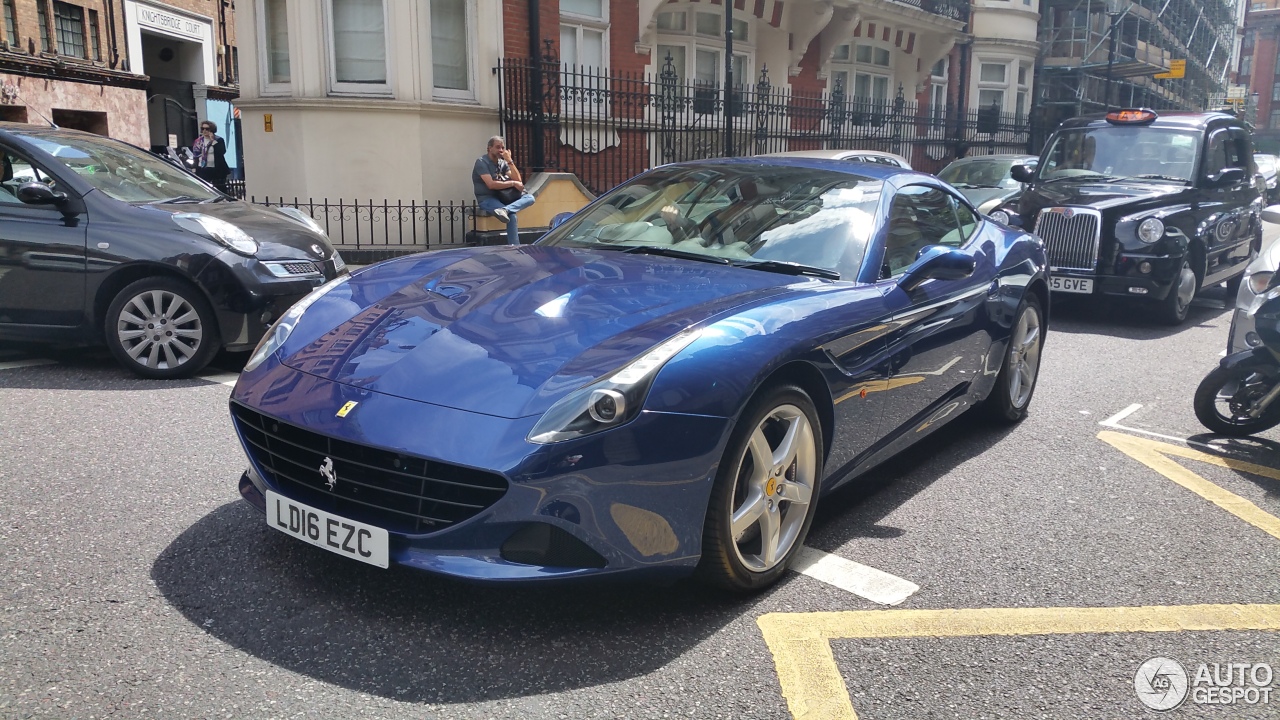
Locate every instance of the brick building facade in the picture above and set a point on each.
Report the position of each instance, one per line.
(1257, 71)
(138, 71)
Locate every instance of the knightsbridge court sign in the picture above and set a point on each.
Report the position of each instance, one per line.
(175, 24)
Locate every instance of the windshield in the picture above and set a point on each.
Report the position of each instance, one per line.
(122, 172)
(739, 213)
(982, 173)
(1121, 152)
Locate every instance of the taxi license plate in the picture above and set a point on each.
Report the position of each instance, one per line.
(1071, 285)
(355, 540)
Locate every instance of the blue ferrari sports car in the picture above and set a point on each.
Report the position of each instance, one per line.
(666, 383)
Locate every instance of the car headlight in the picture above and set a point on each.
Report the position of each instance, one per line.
(283, 328)
(1262, 299)
(610, 402)
(302, 219)
(1000, 216)
(1259, 281)
(219, 230)
(1151, 230)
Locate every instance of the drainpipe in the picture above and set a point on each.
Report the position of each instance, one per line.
(537, 91)
(113, 50)
(962, 101)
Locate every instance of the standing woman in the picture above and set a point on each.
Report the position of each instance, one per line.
(211, 156)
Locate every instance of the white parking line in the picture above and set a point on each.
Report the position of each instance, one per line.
(15, 364)
(228, 379)
(1114, 423)
(866, 582)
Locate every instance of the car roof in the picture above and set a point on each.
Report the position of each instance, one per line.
(41, 130)
(835, 154)
(868, 171)
(1187, 120)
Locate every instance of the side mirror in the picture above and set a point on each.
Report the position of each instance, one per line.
(1228, 177)
(560, 218)
(1021, 173)
(937, 262)
(1271, 214)
(37, 193)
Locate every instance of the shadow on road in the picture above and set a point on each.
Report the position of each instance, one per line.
(416, 637)
(1130, 319)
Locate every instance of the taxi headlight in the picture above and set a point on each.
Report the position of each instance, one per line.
(1259, 281)
(1000, 216)
(279, 333)
(1151, 230)
(610, 402)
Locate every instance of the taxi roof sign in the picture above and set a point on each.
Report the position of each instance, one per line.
(1132, 117)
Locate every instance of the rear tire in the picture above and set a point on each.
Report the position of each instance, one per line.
(1016, 382)
(1218, 412)
(765, 492)
(161, 328)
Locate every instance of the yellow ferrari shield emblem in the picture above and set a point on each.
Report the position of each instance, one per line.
(351, 405)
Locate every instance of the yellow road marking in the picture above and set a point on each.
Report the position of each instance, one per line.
(814, 689)
(801, 642)
(1155, 455)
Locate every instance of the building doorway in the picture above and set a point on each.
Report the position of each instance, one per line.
(175, 68)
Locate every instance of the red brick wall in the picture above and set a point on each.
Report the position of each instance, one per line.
(1262, 76)
(515, 26)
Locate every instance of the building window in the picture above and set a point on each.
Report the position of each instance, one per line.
(992, 72)
(938, 91)
(46, 32)
(450, 56)
(867, 78)
(1246, 65)
(987, 98)
(69, 21)
(694, 40)
(275, 42)
(10, 24)
(584, 33)
(95, 39)
(1275, 120)
(358, 46)
(1275, 92)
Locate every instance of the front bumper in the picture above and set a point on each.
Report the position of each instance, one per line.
(248, 299)
(635, 495)
(1129, 280)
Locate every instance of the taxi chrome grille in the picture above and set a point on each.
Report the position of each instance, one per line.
(1070, 237)
(399, 492)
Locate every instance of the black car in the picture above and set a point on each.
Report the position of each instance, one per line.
(101, 242)
(1144, 205)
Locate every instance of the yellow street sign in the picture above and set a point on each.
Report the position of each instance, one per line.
(267, 125)
(1177, 70)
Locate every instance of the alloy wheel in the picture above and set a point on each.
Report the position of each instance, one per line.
(774, 488)
(1186, 287)
(1024, 357)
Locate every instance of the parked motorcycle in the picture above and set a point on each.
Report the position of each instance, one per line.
(1242, 395)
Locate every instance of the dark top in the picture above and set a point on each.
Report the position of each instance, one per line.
(485, 166)
(216, 167)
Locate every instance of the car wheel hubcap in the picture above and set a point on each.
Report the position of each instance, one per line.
(159, 329)
(1186, 287)
(1024, 357)
(774, 488)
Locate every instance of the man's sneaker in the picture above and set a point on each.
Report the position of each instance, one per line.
(502, 214)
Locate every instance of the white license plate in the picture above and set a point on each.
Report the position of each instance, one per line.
(1071, 285)
(358, 541)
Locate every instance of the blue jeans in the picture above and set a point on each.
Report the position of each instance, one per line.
(491, 203)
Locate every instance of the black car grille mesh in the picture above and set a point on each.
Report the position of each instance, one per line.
(399, 492)
(301, 267)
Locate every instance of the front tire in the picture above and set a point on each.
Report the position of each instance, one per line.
(1225, 412)
(765, 492)
(1173, 309)
(1016, 382)
(161, 328)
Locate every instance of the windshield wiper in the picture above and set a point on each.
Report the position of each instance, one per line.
(672, 252)
(178, 199)
(1155, 176)
(1094, 176)
(789, 268)
(217, 199)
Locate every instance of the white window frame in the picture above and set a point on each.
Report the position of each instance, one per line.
(1006, 88)
(356, 89)
(264, 58)
(450, 94)
(853, 69)
(691, 42)
(938, 111)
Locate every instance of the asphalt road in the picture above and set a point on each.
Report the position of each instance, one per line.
(134, 582)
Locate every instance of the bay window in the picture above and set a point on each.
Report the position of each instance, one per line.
(358, 47)
(451, 23)
(273, 45)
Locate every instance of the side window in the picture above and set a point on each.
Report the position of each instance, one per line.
(968, 223)
(16, 170)
(1215, 155)
(919, 216)
(1242, 149)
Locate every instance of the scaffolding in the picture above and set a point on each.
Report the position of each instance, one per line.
(1096, 55)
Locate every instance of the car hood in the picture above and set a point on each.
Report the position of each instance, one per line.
(278, 236)
(1101, 195)
(508, 331)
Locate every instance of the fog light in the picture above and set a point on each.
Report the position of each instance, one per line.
(607, 405)
(1252, 339)
(1138, 290)
(267, 317)
(1144, 267)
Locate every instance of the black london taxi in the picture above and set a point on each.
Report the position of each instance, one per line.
(104, 243)
(1144, 205)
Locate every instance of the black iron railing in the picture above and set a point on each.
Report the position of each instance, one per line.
(606, 127)
(386, 225)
